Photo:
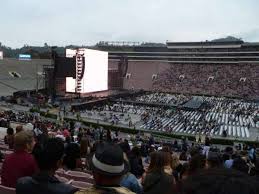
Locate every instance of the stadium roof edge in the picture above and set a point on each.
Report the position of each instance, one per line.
(205, 43)
(250, 44)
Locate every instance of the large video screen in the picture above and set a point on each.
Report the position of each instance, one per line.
(96, 71)
(95, 74)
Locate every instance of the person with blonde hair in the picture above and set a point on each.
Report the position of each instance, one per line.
(19, 128)
(20, 163)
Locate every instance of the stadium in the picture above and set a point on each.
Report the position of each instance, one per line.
(129, 97)
(209, 83)
(203, 94)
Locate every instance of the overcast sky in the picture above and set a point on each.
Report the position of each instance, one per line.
(85, 22)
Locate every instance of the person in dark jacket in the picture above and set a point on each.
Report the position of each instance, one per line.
(72, 159)
(220, 181)
(157, 179)
(129, 180)
(108, 135)
(108, 166)
(135, 161)
(45, 181)
(9, 138)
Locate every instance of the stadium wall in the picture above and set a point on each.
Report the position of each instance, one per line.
(139, 74)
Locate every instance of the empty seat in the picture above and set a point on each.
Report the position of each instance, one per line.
(228, 128)
(62, 179)
(238, 131)
(79, 176)
(80, 184)
(247, 132)
(242, 132)
(234, 130)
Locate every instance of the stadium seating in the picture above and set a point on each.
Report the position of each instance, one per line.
(75, 176)
(80, 184)
(62, 179)
(6, 190)
(163, 98)
(220, 115)
(28, 71)
(208, 79)
(236, 126)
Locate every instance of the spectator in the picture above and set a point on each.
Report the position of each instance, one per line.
(225, 157)
(1, 157)
(207, 141)
(257, 170)
(79, 135)
(220, 181)
(72, 159)
(3, 123)
(9, 138)
(125, 147)
(36, 152)
(183, 156)
(197, 163)
(135, 161)
(97, 134)
(84, 146)
(229, 161)
(240, 164)
(19, 128)
(66, 133)
(42, 136)
(194, 150)
(90, 155)
(177, 167)
(156, 179)
(108, 135)
(108, 168)
(20, 163)
(169, 167)
(129, 180)
(214, 160)
(252, 154)
(45, 182)
(175, 145)
(144, 150)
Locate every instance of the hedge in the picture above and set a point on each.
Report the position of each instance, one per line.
(42, 113)
(111, 127)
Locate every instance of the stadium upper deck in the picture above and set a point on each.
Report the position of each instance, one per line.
(188, 52)
(212, 68)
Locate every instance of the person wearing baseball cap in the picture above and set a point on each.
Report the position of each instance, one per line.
(108, 166)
